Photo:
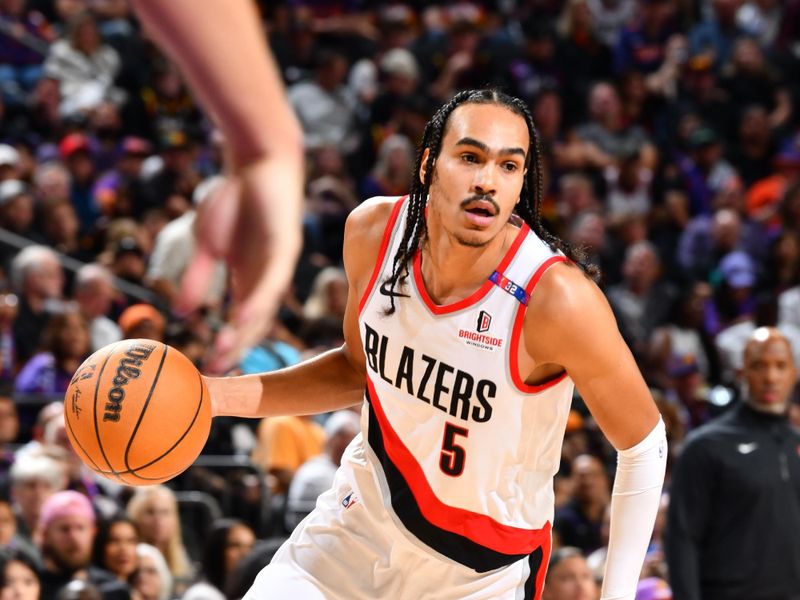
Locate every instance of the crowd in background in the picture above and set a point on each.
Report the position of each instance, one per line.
(671, 153)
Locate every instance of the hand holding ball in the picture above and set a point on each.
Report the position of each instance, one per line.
(138, 412)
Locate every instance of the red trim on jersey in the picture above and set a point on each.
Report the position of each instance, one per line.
(476, 527)
(387, 236)
(542, 572)
(478, 294)
(516, 333)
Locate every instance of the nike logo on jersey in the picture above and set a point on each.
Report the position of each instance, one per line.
(747, 448)
(386, 290)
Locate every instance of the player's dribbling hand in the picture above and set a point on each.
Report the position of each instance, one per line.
(255, 227)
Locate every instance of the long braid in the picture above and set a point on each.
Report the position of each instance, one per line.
(528, 208)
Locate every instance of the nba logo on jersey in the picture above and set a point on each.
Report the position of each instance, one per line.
(350, 500)
(484, 321)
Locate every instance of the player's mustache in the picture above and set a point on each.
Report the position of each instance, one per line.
(481, 197)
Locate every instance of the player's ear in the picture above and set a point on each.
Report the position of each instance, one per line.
(423, 166)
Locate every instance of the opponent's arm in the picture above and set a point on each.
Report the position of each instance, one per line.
(333, 380)
(573, 326)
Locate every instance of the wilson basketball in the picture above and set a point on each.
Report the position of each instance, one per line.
(137, 412)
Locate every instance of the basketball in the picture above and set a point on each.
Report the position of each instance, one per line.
(137, 412)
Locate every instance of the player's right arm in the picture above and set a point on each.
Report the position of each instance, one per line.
(334, 379)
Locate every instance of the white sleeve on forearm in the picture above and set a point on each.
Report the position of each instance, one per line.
(634, 504)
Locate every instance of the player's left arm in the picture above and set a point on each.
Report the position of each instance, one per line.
(571, 325)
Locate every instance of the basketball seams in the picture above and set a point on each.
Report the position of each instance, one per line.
(132, 471)
(96, 425)
(144, 408)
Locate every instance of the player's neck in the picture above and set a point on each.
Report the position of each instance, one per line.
(452, 271)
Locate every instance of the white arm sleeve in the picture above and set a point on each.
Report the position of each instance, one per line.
(634, 504)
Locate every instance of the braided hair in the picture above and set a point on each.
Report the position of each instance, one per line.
(528, 209)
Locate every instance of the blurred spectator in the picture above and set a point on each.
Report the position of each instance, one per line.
(66, 529)
(16, 207)
(752, 155)
(641, 301)
(34, 478)
(94, 292)
(653, 588)
(174, 248)
(66, 342)
(115, 547)
(606, 130)
(115, 189)
(19, 575)
(609, 17)
(52, 182)
(717, 34)
(129, 261)
(83, 65)
(61, 229)
(315, 476)
(9, 306)
(737, 479)
(705, 240)
(705, 171)
(578, 523)
(9, 159)
(37, 280)
(325, 106)
(226, 544)
(400, 76)
(170, 184)
(751, 80)
(76, 151)
(393, 169)
(284, 444)
(142, 321)
(154, 509)
(568, 577)
(152, 579)
(641, 45)
(765, 195)
(25, 40)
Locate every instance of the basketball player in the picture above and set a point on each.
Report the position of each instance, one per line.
(253, 221)
(467, 327)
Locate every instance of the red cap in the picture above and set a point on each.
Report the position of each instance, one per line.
(74, 142)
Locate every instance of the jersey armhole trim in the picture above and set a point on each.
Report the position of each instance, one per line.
(387, 236)
(516, 334)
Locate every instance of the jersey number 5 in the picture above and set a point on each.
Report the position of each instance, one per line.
(451, 461)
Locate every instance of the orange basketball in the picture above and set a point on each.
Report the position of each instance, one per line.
(137, 412)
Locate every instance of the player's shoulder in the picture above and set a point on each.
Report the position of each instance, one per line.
(364, 232)
(564, 290)
(367, 222)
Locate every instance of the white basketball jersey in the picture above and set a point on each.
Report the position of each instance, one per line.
(465, 450)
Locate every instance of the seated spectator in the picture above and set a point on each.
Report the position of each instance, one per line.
(569, 577)
(20, 575)
(580, 521)
(94, 292)
(717, 33)
(226, 544)
(61, 229)
(284, 444)
(155, 511)
(607, 131)
(22, 50)
(9, 307)
(390, 175)
(83, 65)
(142, 321)
(77, 153)
(67, 529)
(653, 588)
(315, 476)
(129, 261)
(16, 208)
(705, 171)
(115, 547)
(152, 580)
(174, 248)
(65, 345)
(37, 280)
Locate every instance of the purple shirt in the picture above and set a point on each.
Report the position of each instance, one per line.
(40, 375)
